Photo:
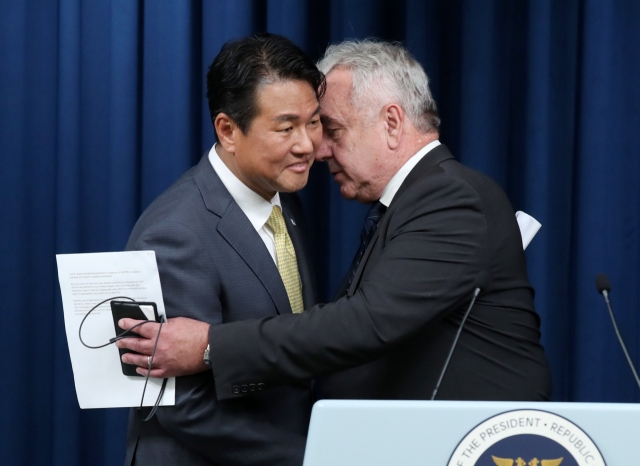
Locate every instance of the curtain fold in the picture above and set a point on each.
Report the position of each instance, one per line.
(103, 106)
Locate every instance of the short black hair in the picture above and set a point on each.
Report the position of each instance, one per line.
(244, 64)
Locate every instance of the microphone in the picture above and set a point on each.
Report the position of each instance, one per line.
(481, 282)
(604, 287)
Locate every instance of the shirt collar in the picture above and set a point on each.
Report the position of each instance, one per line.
(255, 207)
(390, 190)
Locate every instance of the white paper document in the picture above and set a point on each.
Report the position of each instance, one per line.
(85, 280)
(529, 227)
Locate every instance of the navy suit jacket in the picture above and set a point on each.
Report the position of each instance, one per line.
(389, 335)
(214, 267)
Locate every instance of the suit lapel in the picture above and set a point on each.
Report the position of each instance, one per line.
(235, 227)
(237, 230)
(428, 162)
(365, 257)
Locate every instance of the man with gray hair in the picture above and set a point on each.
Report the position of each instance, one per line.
(435, 227)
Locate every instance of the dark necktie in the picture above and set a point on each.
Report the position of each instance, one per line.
(370, 226)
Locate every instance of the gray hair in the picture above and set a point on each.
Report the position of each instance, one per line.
(385, 72)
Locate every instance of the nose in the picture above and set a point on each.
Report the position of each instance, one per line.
(304, 144)
(324, 151)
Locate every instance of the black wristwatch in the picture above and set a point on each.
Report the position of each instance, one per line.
(205, 357)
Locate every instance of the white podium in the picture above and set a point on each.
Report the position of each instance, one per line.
(459, 433)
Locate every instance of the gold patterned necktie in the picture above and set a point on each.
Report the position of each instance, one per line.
(287, 262)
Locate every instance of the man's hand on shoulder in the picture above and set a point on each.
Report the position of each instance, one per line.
(180, 347)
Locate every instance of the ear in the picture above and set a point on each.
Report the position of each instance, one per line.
(226, 129)
(393, 117)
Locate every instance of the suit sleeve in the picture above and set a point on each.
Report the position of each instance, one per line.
(226, 432)
(431, 254)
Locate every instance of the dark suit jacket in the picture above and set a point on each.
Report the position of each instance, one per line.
(389, 336)
(214, 267)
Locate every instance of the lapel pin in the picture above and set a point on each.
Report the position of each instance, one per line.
(293, 221)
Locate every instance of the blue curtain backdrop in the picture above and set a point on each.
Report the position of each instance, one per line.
(102, 107)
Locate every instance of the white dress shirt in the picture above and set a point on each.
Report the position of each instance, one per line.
(394, 184)
(255, 207)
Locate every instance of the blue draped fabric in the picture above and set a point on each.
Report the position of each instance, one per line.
(102, 106)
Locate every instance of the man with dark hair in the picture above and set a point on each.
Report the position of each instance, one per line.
(228, 242)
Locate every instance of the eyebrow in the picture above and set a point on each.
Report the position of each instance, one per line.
(293, 117)
(327, 120)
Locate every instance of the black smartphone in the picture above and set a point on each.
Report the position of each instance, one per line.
(131, 310)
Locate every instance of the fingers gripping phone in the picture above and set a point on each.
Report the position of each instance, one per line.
(131, 310)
